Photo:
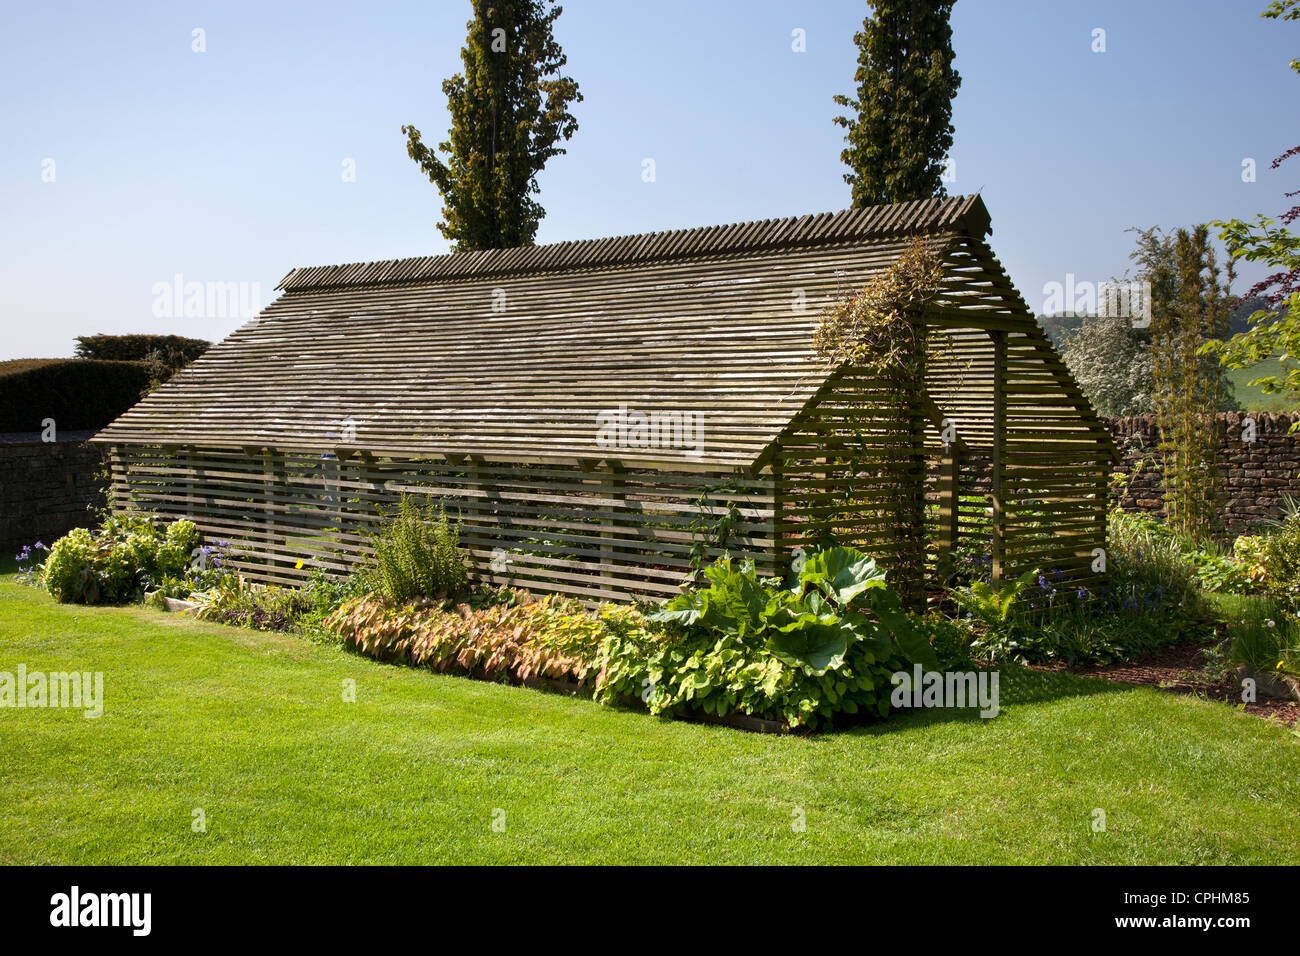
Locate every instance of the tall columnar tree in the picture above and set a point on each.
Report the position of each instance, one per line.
(509, 112)
(1191, 305)
(899, 138)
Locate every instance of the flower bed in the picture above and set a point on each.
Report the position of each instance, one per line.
(749, 651)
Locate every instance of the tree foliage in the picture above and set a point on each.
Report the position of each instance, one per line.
(1111, 361)
(902, 131)
(1275, 328)
(509, 112)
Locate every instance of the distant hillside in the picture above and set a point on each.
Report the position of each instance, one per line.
(1253, 399)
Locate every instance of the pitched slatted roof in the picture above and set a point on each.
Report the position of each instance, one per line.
(518, 353)
(962, 213)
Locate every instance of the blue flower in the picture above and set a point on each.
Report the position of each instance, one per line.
(39, 546)
(1082, 595)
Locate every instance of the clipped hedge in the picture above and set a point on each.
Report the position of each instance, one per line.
(173, 351)
(76, 393)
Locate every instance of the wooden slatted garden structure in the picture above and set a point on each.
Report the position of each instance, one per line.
(601, 414)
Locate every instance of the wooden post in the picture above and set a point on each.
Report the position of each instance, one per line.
(270, 484)
(780, 562)
(613, 486)
(190, 483)
(999, 452)
(949, 512)
(914, 481)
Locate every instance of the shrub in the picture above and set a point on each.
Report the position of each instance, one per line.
(1145, 559)
(326, 592)
(417, 555)
(1272, 562)
(76, 393)
(824, 642)
(951, 643)
(173, 351)
(1149, 598)
(115, 564)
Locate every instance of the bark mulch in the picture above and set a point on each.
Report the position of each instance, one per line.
(1181, 670)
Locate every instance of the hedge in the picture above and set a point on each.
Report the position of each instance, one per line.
(174, 351)
(78, 394)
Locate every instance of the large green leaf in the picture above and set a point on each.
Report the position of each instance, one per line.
(871, 634)
(734, 604)
(842, 574)
(684, 609)
(787, 611)
(910, 640)
(816, 645)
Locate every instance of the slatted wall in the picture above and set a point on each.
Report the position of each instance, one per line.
(1012, 397)
(602, 533)
(840, 472)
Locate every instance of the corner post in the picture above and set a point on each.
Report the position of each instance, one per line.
(999, 453)
(949, 512)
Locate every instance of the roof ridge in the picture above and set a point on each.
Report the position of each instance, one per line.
(886, 221)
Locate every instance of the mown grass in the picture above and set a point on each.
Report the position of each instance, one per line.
(253, 729)
(1252, 398)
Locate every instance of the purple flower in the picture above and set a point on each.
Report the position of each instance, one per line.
(39, 546)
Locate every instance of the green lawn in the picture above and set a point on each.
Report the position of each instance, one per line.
(1253, 398)
(252, 728)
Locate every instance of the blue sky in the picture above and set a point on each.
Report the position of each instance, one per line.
(226, 165)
